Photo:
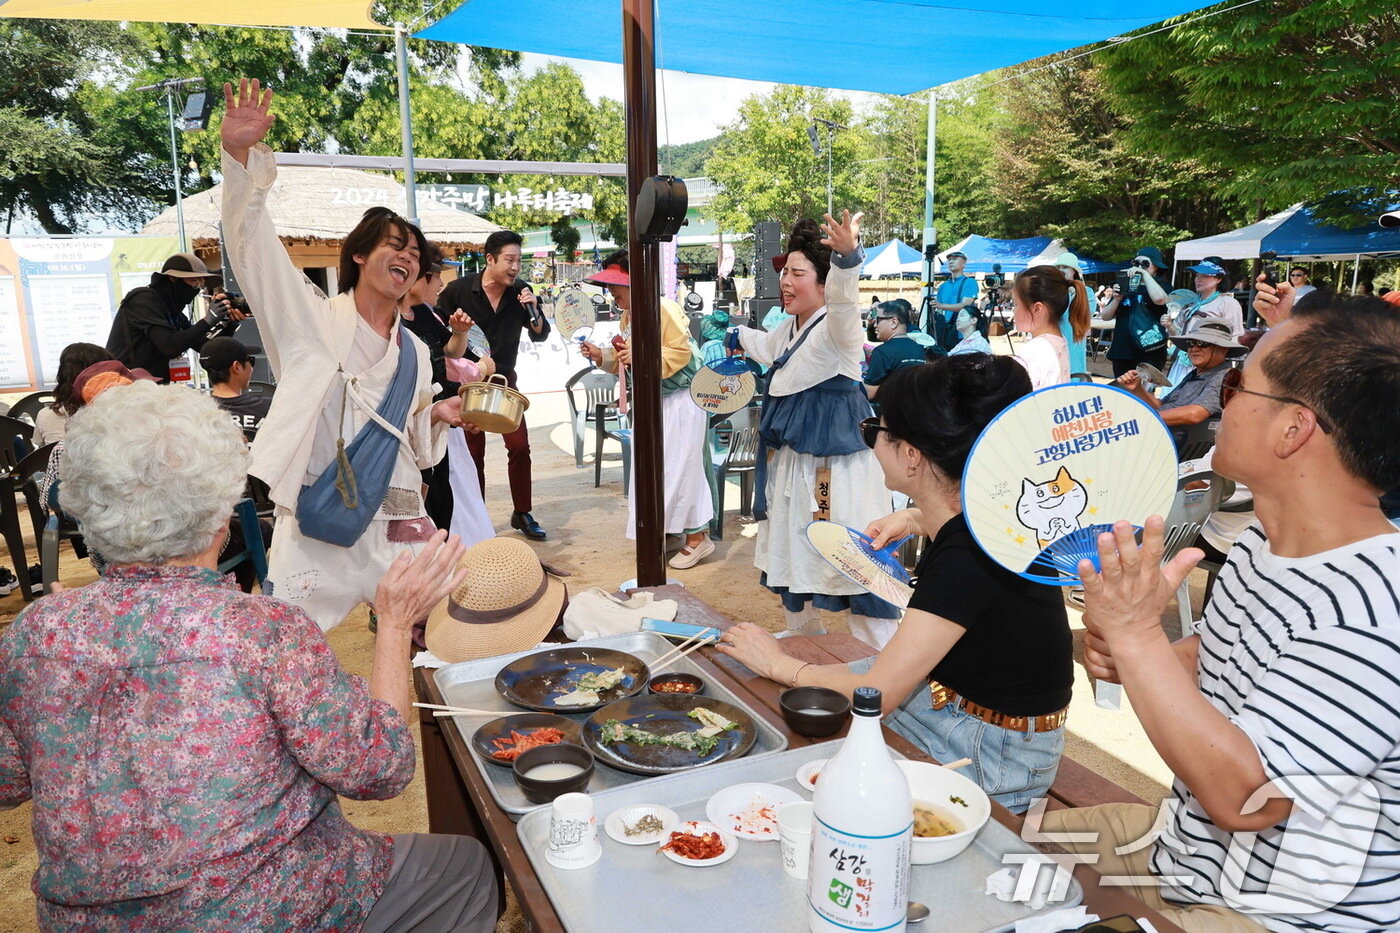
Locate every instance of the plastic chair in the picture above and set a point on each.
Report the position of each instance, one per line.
(16, 441)
(740, 456)
(253, 549)
(1195, 440)
(58, 528)
(599, 389)
(1197, 495)
(23, 479)
(27, 408)
(620, 431)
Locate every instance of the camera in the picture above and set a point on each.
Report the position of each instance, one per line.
(994, 280)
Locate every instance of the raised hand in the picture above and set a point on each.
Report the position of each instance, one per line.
(842, 236)
(1273, 302)
(246, 118)
(460, 322)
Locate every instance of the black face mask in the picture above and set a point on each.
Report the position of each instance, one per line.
(182, 292)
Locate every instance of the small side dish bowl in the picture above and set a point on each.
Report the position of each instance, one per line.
(807, 774)
(956, 796)
(814, 711)
(576, 760)
(684, 684)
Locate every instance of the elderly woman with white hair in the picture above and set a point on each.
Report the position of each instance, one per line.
(184, 743)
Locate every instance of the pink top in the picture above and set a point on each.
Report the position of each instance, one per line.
(1046, 359)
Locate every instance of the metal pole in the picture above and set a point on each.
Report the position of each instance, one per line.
(929, 238)
(829, 133)
(175, 169)
(405, 121)
(1355, 273)
(639, 101)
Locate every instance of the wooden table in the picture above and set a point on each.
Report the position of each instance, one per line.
(459, 800)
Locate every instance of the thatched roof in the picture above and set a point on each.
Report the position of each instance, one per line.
(322, 205)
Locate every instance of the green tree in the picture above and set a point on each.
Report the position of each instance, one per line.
(964, 170)
(1069, 166)
(765, 167)
(1287, 101)
(58, 159)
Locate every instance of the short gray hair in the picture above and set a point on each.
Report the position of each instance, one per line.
(152, 472)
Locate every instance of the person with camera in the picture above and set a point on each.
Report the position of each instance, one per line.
(958, 292)
(1139, 297)
(151, 327)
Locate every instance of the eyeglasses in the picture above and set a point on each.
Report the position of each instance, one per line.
(1296, 275)
(1198, 345)
(1141, 263)
(870, 430)
(1231, 386)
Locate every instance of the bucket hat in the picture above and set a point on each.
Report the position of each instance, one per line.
(508, 602)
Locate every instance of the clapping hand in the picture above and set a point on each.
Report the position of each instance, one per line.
(246, 119)
(1125, 599)
(842, 236)
(460, 322)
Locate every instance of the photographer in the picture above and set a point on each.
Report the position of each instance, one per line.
(1141, 296)
(151, 328)
(960, 291)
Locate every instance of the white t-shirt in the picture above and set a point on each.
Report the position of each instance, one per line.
(1303, 655)
(1046, 359)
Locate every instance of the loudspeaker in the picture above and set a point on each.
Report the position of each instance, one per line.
(767, 243)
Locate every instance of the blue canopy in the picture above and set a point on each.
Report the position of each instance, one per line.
(891, 46)
(1297, 234)
(1019, 255)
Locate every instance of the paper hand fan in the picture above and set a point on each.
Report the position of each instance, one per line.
(1060, 466)
(723, 387)
(851, 553)
(1152, 375)
(572, 311)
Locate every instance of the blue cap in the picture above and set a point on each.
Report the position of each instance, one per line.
(1206, 267)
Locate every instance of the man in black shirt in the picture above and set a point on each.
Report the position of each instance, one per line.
(151, 328)
(229, 364)
(503, 306)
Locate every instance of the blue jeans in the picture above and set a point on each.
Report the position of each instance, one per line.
(1014, 768)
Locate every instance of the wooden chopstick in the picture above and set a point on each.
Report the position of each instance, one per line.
(960, 763)
(674, 653)
(656, 668)
(458, 710)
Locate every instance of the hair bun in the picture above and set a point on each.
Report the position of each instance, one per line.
(806, 236)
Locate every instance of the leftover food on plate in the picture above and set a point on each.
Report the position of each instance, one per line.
(702, 740)
(588, 688)
(511, 747)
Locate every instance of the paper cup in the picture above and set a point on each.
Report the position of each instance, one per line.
(573, 832)
(795, 835)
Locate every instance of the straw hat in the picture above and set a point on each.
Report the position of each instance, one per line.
(507, 603)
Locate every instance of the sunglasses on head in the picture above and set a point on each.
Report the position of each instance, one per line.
(1232, 385)
(870, 430)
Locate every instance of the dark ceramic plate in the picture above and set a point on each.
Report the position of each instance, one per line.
(483, 738)
(665, 714)
(537, 680)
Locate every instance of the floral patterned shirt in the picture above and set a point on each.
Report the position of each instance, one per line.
(183, 743)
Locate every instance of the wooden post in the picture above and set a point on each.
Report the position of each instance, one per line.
(639, 92)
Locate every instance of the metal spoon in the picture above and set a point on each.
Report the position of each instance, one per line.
(916, 913)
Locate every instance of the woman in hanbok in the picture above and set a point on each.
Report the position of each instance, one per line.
(813, 463)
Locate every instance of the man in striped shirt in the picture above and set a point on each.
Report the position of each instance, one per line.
(1280, 716)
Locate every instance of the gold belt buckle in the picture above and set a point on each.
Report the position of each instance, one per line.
(942, 696)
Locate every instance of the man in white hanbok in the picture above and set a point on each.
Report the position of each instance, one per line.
(334, 359)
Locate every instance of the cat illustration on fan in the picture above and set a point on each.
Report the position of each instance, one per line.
(1052, 509)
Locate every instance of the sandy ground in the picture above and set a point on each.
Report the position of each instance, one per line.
(587, 537)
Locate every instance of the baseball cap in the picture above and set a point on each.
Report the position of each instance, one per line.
(955, 254)
(188, 266)
(223, 352)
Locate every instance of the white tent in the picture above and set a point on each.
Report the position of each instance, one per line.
(893, 257)
(1244, 243)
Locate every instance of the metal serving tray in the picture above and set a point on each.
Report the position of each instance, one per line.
(635, 888)
(473, 684)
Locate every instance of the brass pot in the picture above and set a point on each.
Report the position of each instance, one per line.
(493, 406)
